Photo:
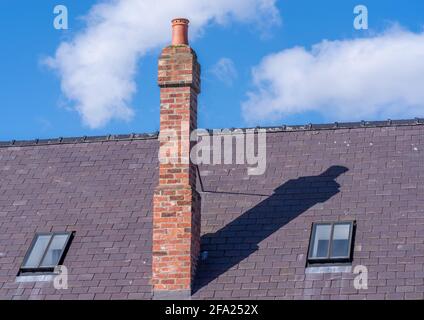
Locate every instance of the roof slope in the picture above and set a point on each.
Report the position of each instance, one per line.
(255, 228)
(103, 191)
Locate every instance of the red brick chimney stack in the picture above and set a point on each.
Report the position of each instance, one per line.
(176, 205)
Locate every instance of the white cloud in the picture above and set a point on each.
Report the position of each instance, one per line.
(97, 67)
(367, 78)
(225, 71)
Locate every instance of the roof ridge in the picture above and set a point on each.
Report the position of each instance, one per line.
(345, 125)
(83, 139)
(271, 129)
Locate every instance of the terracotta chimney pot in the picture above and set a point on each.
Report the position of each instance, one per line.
(180, 31)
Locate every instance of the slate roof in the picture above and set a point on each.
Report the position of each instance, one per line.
(255, 228)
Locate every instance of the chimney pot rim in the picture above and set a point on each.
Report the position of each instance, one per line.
(177, 21)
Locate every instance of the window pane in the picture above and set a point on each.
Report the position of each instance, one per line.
(37, 251)
(340, 245)
(55, 250)
(320, 241)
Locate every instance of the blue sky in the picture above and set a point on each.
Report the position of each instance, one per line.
(34, 106)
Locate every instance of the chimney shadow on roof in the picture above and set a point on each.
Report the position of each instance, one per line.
(240, 238)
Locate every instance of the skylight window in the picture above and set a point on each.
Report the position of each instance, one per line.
(331, 242)
(47, 251)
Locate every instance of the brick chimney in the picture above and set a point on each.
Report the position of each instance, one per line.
(176, 203)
